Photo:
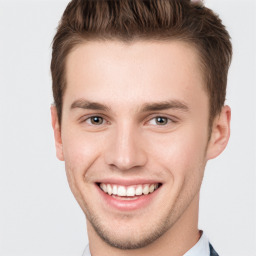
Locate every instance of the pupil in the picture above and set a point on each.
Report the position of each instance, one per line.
(97, 120)
(161, 120)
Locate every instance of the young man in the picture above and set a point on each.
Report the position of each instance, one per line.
(139, 90)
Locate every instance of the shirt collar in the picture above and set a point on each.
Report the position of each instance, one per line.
(201, 248)
(86, 251)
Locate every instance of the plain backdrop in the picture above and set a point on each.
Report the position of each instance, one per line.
(38, 214)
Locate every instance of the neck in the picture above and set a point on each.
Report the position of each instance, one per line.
(181, 237)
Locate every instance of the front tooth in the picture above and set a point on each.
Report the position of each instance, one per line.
(121, 191)
(109, 189)
(146, 189)
(130, 191)
(114, 191)
(138, 191)
(151, 188)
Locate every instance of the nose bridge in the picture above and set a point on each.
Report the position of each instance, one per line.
(126, 150)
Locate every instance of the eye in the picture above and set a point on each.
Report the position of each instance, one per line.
(95, 120)
(159, 120)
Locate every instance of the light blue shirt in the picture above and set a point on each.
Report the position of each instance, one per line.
(201, 248)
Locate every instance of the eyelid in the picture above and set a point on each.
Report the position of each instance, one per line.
(170, 119)
(84, 118)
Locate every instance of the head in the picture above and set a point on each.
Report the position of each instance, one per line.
(139, 90)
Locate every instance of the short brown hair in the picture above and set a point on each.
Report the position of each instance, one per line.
(131, 20)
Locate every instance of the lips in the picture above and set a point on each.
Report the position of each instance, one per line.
(128, 197)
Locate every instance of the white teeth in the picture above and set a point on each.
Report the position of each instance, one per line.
(138, 191)
(131, 191)
(109, 189)
(103, 187)
(145, 189)
(121, 191)
(151, 188)
(114, 191)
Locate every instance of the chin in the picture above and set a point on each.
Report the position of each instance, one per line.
(129, 236)
(131, 241)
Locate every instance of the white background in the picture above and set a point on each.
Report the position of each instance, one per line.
(38, 214)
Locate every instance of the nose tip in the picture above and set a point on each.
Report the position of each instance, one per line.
(126, 162)
(126, 152)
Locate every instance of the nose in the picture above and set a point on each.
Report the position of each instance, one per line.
(125, 149)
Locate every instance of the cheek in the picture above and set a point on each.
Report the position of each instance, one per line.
(183, 152)
(80, 150)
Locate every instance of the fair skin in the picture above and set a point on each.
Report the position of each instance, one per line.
(137, 114)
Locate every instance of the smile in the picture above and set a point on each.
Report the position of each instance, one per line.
(124, 195)
(128, 191)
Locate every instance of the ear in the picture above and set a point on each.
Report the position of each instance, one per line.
(57, 133)
(220, 133)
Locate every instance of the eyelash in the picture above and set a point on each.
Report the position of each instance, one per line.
(95, 116)
(168, 120)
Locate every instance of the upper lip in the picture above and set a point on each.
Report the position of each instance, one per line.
(128, 182)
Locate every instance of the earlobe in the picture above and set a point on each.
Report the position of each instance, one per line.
(220, 133)
(57, 133)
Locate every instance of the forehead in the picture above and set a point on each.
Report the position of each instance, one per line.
(118, 72)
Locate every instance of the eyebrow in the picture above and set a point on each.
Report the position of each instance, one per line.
(85, 104)
(172, 104)
(147, 107)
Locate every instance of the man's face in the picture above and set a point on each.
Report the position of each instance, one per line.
(135, 117)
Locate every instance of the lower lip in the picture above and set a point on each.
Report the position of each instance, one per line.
(128, 205)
